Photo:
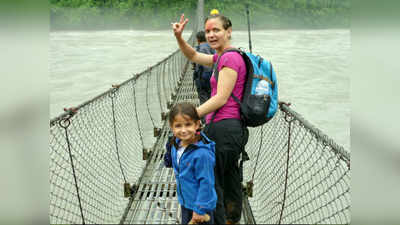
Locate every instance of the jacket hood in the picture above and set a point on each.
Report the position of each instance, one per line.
(204, 141)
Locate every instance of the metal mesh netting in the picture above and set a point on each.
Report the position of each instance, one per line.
(97, 147)
(299, 175)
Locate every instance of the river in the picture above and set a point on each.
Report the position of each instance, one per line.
(312, 68)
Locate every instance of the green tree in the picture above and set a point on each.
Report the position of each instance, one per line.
(156, 14)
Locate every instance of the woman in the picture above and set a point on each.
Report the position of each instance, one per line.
(222, 112)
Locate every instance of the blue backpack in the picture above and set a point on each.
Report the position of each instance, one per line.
(260, 97)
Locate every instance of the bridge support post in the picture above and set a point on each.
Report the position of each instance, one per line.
(127, 190)
(156, 131)
(169, 104)
(164, 115)
(248, 189)
(146, 153)
(173, 95)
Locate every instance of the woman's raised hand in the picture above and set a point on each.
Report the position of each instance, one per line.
(178, 27)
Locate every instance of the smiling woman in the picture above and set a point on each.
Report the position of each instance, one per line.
(214, 25)
(222, 111)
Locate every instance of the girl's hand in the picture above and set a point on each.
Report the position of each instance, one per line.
(200, 218)
(178, 27)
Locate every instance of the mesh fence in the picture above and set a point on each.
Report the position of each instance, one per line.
(296, 174)
(299, 175)
(97, 147)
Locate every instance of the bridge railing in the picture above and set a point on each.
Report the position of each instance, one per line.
(296, 173)
(99, 146)
(98, 149)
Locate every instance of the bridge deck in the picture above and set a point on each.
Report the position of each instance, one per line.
(155, 201)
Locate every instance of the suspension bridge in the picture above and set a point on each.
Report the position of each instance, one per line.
(106, 158)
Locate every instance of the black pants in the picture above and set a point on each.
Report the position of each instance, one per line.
(230, 138)
(188, 213)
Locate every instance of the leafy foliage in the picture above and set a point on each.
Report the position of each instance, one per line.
(158, 14)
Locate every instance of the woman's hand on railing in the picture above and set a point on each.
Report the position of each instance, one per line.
(180, 26)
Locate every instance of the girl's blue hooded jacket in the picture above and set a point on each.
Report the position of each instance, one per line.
(194, 174)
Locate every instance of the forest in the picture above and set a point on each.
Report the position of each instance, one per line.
(158, 14)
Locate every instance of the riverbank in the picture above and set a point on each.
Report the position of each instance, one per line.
(155, 15)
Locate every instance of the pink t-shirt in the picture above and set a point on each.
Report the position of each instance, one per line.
(231, 109)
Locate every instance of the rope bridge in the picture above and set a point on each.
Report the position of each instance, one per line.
(106, 158)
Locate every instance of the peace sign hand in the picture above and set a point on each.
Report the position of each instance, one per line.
(178, 27)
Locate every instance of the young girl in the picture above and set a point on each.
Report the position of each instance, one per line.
(222, 113)
(192, 155)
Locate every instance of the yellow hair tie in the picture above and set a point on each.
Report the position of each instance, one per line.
(214, 12)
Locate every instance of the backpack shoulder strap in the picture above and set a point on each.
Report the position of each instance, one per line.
(216, 72)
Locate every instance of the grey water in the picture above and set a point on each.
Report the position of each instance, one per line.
(312, 68)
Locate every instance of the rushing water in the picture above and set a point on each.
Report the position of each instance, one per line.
(312, 68)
